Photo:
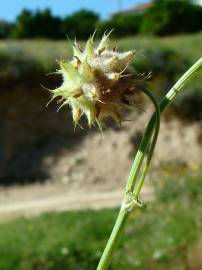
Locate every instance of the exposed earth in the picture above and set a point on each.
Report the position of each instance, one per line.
(93, 172)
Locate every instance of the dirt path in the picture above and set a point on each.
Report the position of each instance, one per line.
(64, 201)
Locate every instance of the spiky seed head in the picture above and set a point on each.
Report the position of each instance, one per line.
(95, 82)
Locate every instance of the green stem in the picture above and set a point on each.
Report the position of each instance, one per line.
(165, 102)
(175, 90)
(133, 175)
(113, 240)
(153, 144)
(124, 212)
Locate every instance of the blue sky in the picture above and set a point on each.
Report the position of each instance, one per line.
(9, 9)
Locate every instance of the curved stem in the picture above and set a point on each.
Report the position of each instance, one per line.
(153, 144)
(165, 102)
(133, 176)
(175, 90)
(124, 212)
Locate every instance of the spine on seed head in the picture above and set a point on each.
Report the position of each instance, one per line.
(96, 82)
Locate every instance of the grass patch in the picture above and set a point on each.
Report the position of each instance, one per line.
(160, 238)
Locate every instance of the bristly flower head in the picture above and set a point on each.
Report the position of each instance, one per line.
(96, 82)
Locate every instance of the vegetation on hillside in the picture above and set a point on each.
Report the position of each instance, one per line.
(164, 57)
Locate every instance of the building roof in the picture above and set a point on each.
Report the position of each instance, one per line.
(137, 8)
(140, 7)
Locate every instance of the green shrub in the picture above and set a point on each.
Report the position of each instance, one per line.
(80, 25)
(171, 17)
(40, 23)
(5, 28)
(123, 24)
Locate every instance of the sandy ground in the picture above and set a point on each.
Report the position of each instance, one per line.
(55, 198)
(93, 173)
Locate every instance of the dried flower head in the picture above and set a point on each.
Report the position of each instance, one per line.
(96, 82)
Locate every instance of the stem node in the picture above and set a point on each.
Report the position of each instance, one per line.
(131, 201)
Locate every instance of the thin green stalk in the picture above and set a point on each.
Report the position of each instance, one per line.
(153, 144)
(113, 240)
(141, 152)
(125, 210)
(165, 102)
